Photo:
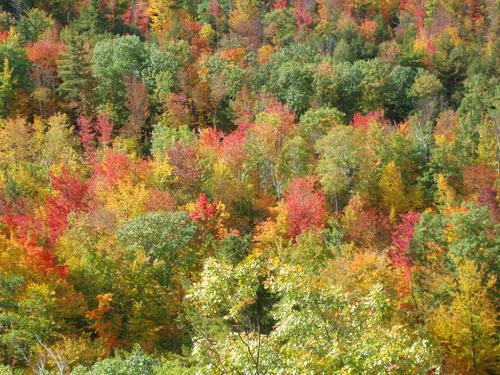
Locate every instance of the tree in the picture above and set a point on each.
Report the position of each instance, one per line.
(306, 206)
(264, 143)
(364, 225)
(341, 159)
(279, 26)
(135, 362)
(466, 328)
(112, 61)
(73, 68)
(159, 13)
(245, 21)
(338, 85)
(138, 110)
(291, 76)
(209, 216)
(104, 127)
(44, 54)
(59, 146)
(92, 20)
(164, 236)
(315, 123)
(232, 340)
(160, 70)
(70, 193)
(136, 15)
(477, 102)
(100, 320)
(18, 61)
(86, 133)
(450, 62)
(426, 91)
(393, 192)
(6, 88)
(401, 255)
(34, 25)
(165, 137)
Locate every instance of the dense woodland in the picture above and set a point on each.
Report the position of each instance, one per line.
(249, 187)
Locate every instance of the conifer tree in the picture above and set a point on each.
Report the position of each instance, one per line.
(92, 19)
(74, 68)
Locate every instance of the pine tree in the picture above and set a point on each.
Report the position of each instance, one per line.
(92, 19)
(74, 67)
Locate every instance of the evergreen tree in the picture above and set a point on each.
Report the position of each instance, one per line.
(74, 68)
(92, 19)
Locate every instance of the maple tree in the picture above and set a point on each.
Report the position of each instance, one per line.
(306, 206)
(69, 197)
(402, 238)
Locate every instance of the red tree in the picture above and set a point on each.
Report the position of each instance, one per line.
(44, 55)
(136, 15)
(113, 167)
(481, 180)
(40, 259)
(402, 237)
(209, 216)
(69, 197)
(280, 4)
(360, 121)
(104, 126)
(306, 206)
(364, 225)
(87, 136)
(302, 13)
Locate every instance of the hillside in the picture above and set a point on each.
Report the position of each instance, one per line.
(249, 187)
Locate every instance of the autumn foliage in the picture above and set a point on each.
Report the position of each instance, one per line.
(249, 187)
(306, 206)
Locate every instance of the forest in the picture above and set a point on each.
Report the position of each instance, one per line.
(249, 187)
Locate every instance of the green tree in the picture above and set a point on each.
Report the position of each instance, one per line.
(112, 60)
(6, 88)
(18, 61)
(73, 67)
(341, 161)
(317, 328)
(160, 69)
(165, 137)
(279, 26)
(92, 20)
(136, 362)
(289, 75)
(338, 85)
(165, 236)
(316, 122)
(33, 26)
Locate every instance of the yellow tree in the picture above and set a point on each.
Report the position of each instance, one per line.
(466, 329)
(445, 194)
(159, 12)
(489, 144)
(245, 21)
(391, 186)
